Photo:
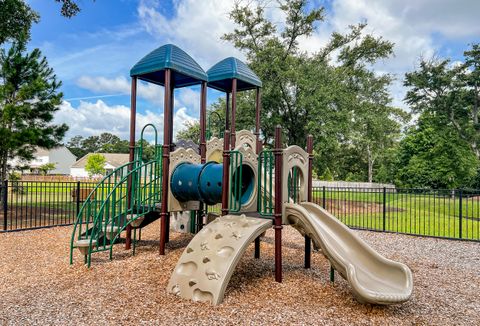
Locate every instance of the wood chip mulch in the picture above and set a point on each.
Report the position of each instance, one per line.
(38, 286)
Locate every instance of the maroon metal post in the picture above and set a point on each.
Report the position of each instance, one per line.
(234, 113)
(258, 149)
(203, 143)
(308, 241)
(171, 108)
(166, 161)
(131, 156)
(278, 152)
(227, 112)
(170, 141)
(225, 175)
(203, 122)
(258, 106)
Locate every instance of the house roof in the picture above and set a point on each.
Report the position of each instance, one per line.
(186, 71)
(41, 152)
(221, 74)
(114, 159)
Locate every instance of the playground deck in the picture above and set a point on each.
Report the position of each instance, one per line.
(37, 284)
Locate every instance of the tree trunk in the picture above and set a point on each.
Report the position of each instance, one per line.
(3, 167)
(370, 164)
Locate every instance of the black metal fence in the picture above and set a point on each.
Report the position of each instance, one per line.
(453, 214)
(444, 213)
(38, 204)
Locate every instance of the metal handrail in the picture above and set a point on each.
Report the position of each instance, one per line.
(266, 164)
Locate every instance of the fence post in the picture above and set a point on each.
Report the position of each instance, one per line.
(323, 198)
(384, 207)
(77, 197)
(5, 204)
(460, 213)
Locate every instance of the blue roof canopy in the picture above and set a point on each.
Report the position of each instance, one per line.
(221, 74)
(186, 71)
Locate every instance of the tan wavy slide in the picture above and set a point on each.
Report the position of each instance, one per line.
(373, 278)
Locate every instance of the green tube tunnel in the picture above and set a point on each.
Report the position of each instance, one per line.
(203, 182)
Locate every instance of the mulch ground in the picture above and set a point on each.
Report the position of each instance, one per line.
(38, 286)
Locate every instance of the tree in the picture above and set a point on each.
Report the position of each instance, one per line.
(29, 97)
(191, 131)
(105, 143)
(450, 92)
(276, 59)
(75, 146)
(432, 155)
(47, 167)
(95, 164)
(16, 19)
(70, 8)
(344, 104)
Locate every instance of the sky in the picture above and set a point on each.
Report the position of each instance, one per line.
(93, 52)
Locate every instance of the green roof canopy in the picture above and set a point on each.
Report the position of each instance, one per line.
(186, 71)
(221, 74)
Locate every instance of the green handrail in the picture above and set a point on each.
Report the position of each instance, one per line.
(235, 196)
(266, 164)
(117, 202)
(90, 206)
(209, 132)
(139, 155)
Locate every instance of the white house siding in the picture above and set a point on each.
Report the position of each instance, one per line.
(82, 173)
(61, 156)
(63, 159)
(78, 173)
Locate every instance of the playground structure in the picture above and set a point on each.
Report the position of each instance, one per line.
(258, 188)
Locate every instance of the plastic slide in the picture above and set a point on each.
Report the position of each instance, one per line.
(205, 267)
(373, 278)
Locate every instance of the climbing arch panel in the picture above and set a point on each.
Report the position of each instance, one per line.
(294, 157)
(246, 139)
(207, 264)
(214, 150)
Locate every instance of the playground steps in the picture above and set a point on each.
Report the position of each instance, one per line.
(103, 215)
(83, 245)
(205, 267)
(111, 231)
(135, 220)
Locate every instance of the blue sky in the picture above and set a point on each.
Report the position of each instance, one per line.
(93, 52)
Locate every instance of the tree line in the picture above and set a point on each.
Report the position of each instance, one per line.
(336, 95)
(105, 143)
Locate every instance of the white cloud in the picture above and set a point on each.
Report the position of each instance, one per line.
(90, 119)
(196, 26)
(184, 97)
(100, 84)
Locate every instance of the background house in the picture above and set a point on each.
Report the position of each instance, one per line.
(113, 161)
(60, 156)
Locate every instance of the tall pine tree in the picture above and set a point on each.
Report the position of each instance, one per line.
(29, 97)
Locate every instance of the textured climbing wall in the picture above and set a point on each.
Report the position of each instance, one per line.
(205, 267)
